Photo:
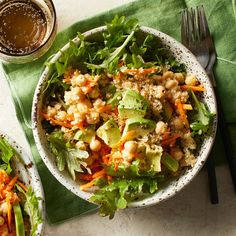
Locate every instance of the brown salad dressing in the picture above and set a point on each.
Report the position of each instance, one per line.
(23, 26)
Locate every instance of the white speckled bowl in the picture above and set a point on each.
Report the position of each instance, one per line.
(28, 174)
(183, 55)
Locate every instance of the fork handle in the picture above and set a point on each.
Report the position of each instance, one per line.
(210, 165)
(228, 146)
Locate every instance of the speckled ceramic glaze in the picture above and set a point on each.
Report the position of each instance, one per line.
(28, 174)
(183, 55)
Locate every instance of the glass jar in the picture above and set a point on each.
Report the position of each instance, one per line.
(27, 29)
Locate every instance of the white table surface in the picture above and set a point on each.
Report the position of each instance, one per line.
(188, 213)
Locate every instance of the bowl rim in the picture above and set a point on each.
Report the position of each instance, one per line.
(74, 188)
(34, 175)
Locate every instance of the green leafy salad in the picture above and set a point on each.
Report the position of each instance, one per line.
(122, 116)
(19, 206)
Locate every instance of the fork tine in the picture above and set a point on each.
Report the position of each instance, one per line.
(195, 25)
(184, 28)
(203, 25)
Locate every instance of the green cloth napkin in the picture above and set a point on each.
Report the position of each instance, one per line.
(162, 15)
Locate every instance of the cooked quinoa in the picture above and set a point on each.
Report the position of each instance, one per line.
(86, 104)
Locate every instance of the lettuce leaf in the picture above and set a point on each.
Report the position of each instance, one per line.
(71, 158)
(116, 195)
(6, 153)
(31, 207)
(129, 183)
(202, 118)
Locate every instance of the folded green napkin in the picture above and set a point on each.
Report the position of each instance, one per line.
(162, 15)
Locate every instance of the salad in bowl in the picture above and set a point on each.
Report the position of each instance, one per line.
(21, 195)
(121, 118)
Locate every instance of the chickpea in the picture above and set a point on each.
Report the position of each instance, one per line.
(57, 106)
(92, 117)
(77, 91)
(83, 107)
(81, 80)
(71, 109)
(51, 111)
(2, 221)
(80, 145)
(160, 91)
(85, 89)
(130, 146)
(177, 123)
(4, 208)
(98, 103)
(168, 74)
(191, 80)
(78, 117)
(86, 102)
(61, 115)
(161, 127)
(177, 153)
(73, 96)
(179, 77)
(95, 145)
(127, 155)
(171, 83)
(188, 141)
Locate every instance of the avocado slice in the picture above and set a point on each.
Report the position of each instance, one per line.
(132, 105)
(87, 135)
(153, 155)
(169, 162)
(139, 125)
(114, 101)
(109, 133)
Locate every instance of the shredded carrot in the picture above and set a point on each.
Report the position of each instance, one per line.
(116, 111)
(106, 159)
(117, 161)
(182, 113)
(56, 122)
(141, 71)
(81, 125)
(170, 141)
(4, 177)
(187, 107)
(128, 136)
(12, 183)
(22, 185)
(197, 88)
(99, 173)
(104, 108)
(90, 84)
(70, 117)
(94, 165)
(166, 135)
(119, 76)
(87, 177)
(87, 185)
(105, 149)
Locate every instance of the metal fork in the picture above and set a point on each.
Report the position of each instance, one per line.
(195, 36)
(228, 146)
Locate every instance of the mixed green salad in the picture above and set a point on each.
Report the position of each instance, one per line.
(19, 206)
(122, 116)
